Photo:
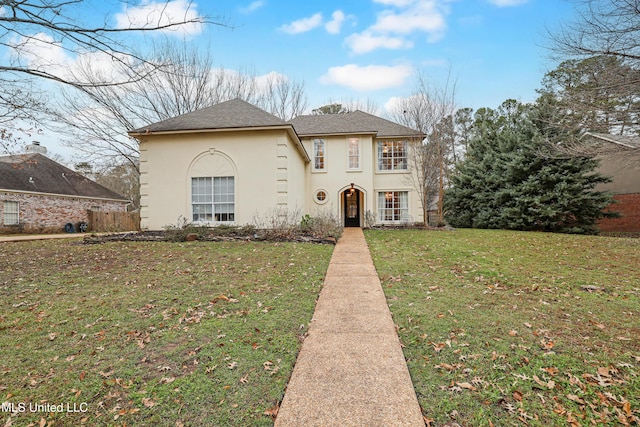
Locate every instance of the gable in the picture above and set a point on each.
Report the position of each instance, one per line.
(234, 114)
(36, 173)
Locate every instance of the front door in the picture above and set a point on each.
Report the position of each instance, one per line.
(352, 208)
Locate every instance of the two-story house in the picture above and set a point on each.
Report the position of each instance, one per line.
(233, 163)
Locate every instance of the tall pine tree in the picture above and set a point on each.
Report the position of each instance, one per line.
(505, 182)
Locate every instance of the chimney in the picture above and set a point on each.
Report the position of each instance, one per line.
(35, 147)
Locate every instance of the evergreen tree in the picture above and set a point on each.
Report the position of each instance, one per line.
(505, 183)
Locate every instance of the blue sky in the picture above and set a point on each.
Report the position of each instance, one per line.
(364, 49)
(493, 49)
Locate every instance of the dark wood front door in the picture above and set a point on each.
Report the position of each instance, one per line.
(352, 208)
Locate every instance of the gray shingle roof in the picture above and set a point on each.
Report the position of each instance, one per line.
(37, 173)
(350, 123)
(226, 115)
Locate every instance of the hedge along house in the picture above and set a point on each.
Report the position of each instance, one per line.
(39, 195)
(233, 163)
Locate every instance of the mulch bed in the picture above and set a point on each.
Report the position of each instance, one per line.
(169, 236)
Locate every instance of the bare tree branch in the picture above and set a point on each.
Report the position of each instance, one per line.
(33, 30)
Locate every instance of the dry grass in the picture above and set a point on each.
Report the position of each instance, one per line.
(509, 328)
(152, 334)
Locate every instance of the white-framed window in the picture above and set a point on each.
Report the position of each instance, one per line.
(213, 199)
(321, 197)
(393, 206)
(11, 212)
(319, 154)
(392, 155)
(353, 153)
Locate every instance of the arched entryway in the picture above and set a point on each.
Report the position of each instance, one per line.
(352, 206)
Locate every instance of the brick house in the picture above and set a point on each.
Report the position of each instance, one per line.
(39, 195)
(620, 159)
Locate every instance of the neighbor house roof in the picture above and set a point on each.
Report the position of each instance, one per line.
(356, 122)
(628, 141)
(234, 114)
(36, 173)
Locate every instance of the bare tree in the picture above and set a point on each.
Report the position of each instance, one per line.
(601, 27)
(282, 97)
(348, 105)
(428, 110)
(98, 121)
(34, 30)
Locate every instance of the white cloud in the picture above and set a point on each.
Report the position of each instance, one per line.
(424, 16)
(303, 25)
(333, 26)
(396, 3)
(252, 7)
(154, 14)
(368, 42)
(507, 3)
(42, 53)
(402, 19)
(371, 77)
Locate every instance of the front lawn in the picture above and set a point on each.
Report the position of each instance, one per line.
(508, 328)
(152, 334)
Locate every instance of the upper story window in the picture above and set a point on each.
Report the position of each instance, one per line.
(353, 150)
(392, 155)
(319, 154)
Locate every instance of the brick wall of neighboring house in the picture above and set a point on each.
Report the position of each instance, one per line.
(629, 206)
(39, 213)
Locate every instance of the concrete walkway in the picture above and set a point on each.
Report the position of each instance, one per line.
(351, 370)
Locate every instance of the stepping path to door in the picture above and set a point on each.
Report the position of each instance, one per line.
(351, 370)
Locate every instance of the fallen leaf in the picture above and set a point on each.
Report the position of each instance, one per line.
(517, 396)
(576, 399)
(597, 325)
(446, 366)
(272, 412)
(550, 385)
(468, 386)
(148, 402)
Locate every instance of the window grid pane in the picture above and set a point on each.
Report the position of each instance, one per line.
(318, 154)
(392, 155)
(393, 205)
(213, 199)
(354, 153)
(11, 213)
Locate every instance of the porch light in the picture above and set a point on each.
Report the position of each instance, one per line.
(353, 190)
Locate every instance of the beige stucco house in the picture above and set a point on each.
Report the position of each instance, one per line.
(234, 163)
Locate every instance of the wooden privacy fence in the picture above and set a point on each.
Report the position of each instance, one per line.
(114, 221)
